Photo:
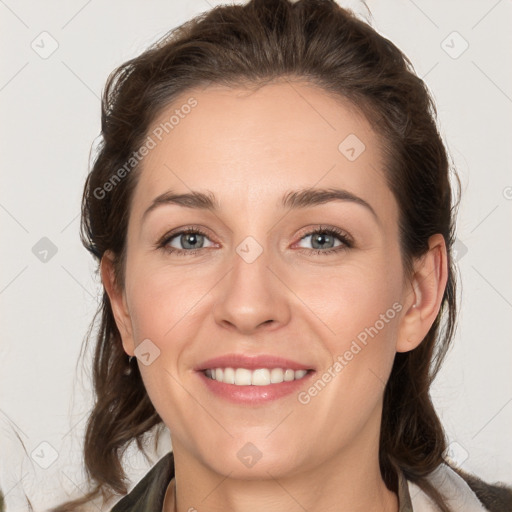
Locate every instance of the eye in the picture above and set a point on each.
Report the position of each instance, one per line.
(326, 240)
(187, 241)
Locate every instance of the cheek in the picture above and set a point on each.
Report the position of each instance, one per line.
(367, 309)
(164, 306)
(161, 299)
(355, 299)
(360, 306)
(362, 313)
(167, 306)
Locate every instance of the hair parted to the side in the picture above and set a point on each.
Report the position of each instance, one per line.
(315, 41)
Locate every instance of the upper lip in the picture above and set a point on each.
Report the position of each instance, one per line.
(252, 362)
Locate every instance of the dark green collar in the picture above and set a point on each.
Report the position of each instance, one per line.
(149, 493)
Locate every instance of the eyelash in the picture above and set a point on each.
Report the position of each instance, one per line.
(332, 231)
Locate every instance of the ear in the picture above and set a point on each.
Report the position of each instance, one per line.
(117, 301)
(423, 300)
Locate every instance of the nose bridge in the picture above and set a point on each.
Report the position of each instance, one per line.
(251, 295)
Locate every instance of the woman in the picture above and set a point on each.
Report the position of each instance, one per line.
(272, 214)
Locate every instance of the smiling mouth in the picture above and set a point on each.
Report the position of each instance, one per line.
(257, 377)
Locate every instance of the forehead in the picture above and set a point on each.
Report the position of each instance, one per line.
(248, 146)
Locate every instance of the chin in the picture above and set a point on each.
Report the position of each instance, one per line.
(254, 460)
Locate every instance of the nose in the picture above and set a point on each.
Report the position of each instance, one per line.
(252, 297)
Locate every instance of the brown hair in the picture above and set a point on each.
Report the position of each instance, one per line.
(319, 42)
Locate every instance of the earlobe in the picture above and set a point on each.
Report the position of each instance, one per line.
(117, 302)
(423, 301)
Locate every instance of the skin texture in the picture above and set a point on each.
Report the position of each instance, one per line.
(249, 149)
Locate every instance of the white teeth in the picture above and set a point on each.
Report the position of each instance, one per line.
(276, 375)
(229, 376)
(242, 377)
(299, 374)
(289, 375)
(258, 377)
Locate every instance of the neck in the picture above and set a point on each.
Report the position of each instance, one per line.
(350, 481)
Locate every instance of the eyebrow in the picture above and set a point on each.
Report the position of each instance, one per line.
(292, 200)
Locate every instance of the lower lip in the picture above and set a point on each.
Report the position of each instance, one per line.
(254, 395)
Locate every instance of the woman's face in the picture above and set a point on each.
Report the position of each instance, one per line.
(272, 273)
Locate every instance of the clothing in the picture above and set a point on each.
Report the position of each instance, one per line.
(463, 491)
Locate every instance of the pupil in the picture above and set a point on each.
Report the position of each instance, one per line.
(320, 239)
(190, 240)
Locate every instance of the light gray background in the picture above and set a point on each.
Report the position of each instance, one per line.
(50, 116)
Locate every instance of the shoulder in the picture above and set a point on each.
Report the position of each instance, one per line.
(463, 492)
(495, 497)
(148, 494)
